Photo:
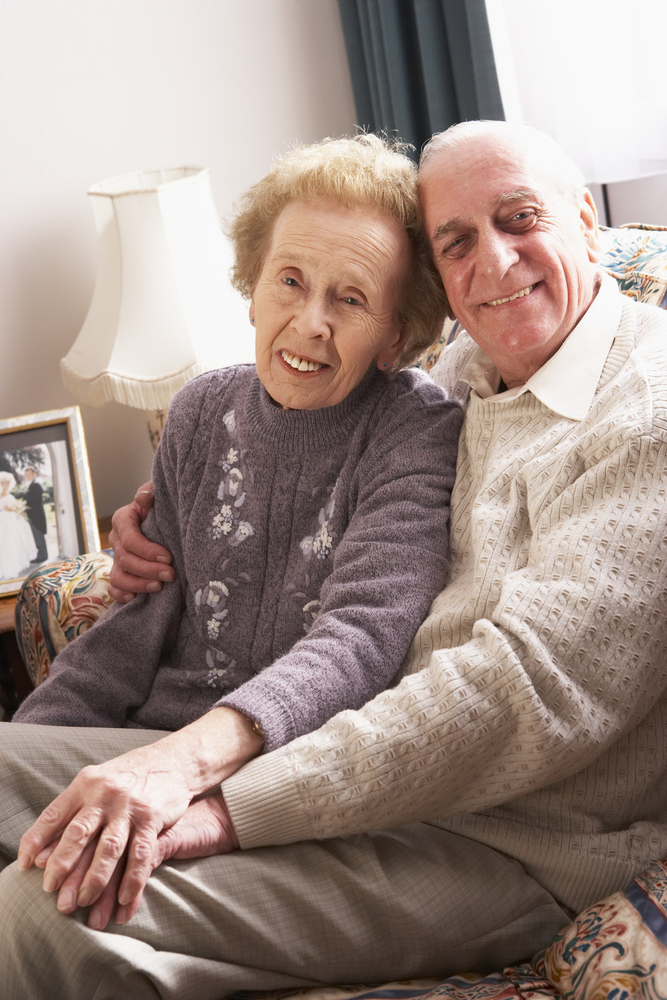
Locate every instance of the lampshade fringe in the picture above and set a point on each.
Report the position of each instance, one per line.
(147, 394)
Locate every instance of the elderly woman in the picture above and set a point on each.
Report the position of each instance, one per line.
(305, 501)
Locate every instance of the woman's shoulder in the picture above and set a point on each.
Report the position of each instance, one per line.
(413, 387)
(194, 408)
(412, 406)
(212, 386)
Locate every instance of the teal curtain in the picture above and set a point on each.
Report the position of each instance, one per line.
(419, 66)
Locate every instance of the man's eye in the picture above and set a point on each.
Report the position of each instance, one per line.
(456, 247)
(525, 217)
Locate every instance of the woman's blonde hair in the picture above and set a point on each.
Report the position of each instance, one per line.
(363, 171)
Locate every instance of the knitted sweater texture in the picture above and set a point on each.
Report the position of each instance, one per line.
(533, 711)
(308, 546)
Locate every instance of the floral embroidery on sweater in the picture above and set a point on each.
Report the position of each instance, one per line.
(228, 524)
(227, 520)
(320, 546)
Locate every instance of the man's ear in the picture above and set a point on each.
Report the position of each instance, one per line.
(589, 225)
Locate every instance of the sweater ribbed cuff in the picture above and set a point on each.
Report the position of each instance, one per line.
(264, 803)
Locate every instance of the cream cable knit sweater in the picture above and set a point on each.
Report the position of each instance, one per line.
(533, 712)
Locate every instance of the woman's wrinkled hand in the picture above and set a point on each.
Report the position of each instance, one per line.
(205, 829)
(121, 807)
(140, 566)
(101, 838)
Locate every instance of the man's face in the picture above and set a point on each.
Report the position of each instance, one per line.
(29, 475)
(513, 252)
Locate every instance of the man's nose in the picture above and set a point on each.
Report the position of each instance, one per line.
(314, 318)
(496, 253)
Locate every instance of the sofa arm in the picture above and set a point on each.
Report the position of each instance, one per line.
(56, 603)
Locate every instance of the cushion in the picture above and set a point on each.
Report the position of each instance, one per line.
(617, 948)
(56, 603)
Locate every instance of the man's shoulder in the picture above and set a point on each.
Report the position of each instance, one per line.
(649, 338)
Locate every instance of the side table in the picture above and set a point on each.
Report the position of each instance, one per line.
(15, 684)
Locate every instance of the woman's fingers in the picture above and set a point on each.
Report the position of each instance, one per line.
(48, 825)
(102, 910)
(43, 856)
(111, 845)
(140, 863)
(69, 890)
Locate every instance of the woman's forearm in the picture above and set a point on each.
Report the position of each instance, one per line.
(210, 749)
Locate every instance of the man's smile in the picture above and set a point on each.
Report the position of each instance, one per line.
(510, 298)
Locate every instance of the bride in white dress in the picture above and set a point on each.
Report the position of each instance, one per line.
(17, 546)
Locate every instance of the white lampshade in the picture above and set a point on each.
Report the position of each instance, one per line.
(163, 309)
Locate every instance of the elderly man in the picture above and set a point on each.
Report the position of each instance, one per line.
(517, 773)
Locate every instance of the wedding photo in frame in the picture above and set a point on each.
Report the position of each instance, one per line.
(47, 510)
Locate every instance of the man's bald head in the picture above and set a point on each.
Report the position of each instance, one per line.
(534, 146)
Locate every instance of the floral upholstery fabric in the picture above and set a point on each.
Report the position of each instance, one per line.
(56, 603)
(636, 255)
(617, 948)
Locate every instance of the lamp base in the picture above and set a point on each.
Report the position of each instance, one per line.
(155, 419)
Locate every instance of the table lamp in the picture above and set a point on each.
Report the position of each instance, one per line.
(163, 309)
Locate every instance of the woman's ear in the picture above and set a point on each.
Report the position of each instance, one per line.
(251, 312)
(386, 358)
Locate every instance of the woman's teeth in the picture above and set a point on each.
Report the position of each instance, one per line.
(510, 298)
(300, 363)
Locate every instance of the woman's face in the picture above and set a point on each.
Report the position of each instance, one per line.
(325, 303)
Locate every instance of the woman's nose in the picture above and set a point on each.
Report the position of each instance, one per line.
(314, 318)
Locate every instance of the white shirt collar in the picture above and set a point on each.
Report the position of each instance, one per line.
(566, 383)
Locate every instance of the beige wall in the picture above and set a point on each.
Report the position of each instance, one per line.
(94, 88)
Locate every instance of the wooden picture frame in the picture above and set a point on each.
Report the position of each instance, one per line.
(53, 446)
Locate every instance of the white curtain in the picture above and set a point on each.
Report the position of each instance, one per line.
(590, 73)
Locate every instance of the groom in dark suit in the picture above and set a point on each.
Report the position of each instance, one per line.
(36, 515)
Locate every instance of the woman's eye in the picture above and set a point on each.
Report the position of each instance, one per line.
(290, 281)
(351, 301)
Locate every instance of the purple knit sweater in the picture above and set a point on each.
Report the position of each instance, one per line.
(308, 546)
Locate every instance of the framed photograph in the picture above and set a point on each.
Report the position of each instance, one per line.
(47, 509)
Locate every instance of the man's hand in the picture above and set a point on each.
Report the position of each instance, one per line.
(140, 566)
(102, 834)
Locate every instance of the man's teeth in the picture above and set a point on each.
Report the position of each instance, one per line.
(300, 363)
(510, 298)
